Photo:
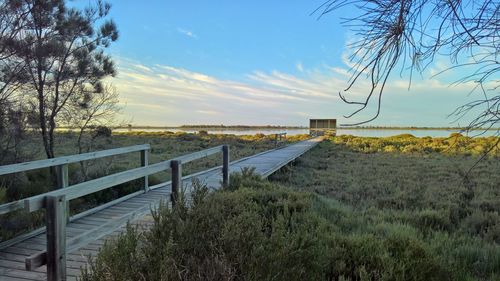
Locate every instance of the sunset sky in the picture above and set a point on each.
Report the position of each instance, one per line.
(255, 63)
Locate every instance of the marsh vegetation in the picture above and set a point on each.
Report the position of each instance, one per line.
(399, 208)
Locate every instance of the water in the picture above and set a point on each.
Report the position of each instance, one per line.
(291, 132)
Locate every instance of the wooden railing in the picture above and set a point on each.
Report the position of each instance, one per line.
(279, 139)
(55, 202)
(61, 163)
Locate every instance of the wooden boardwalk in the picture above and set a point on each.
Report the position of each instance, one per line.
(135, 209)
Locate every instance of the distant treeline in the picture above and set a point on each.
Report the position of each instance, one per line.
(242, 127)
(213, 127)
(249, 127)
(411, 128)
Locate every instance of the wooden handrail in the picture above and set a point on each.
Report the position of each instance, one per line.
(39, 259)
(62, 164)
(45, 163)
(36, 202)
(56, 217)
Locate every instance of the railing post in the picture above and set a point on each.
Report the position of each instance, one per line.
(63, 182)
(225, 165)
(144, 163)
(56, 237)
(176, 167)
(62, 176)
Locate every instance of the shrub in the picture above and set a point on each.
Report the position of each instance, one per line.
(484, 224)
(428, 220)
(102, 131)
(262, 233)
(247, 234)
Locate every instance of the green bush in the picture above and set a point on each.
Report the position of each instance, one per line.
(427, 220)
(101, 131)
(264, 233)
(252, 234)
(484, 224)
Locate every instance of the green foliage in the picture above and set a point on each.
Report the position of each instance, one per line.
(425, 198)
(255, 234)
(124, 258)
(455, 144)
(266, 232)
(101, 131)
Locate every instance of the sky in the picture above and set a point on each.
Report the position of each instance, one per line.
(255, 63)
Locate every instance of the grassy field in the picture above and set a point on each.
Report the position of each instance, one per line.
(371, 188)
(399, 208)
(164, 146)
(352, 208)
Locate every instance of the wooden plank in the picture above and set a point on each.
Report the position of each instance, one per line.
(12, 264)
(160, 185)
(8, 278)
(19, 251)
(32, 246)
(91, 220)
(21, 238)
(73, 267)
(86, 223)
(85, 188)
(76, 227)
(85, 238)
(106, 205)
(45, 163)
(30, 275)
(10, 207)
(12, 257)
(119, 208)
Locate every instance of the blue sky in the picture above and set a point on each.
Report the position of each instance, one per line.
(253, 62)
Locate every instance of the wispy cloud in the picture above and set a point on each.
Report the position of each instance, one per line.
(185, 96)
(208, 112)
(186, 32)
(167, 95)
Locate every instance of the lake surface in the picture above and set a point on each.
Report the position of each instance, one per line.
(291, 132)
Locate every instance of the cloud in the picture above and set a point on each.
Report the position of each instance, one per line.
(186, 32)
(180, 96)
(167, 95)
(208, 112)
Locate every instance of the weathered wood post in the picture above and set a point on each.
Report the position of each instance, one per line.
(176, 167)
(225, 165)
(144, 163)
(56, 237)
(63, 182)
(62, 176)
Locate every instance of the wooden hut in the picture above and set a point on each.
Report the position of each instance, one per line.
(319, 127)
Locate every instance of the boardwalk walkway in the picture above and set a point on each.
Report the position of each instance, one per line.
(135, 209)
